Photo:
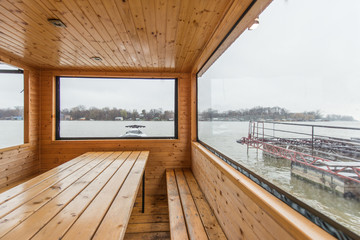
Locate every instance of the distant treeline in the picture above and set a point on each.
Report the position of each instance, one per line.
(11, 113)
(334, 117)
(268, 113)
(110, 114)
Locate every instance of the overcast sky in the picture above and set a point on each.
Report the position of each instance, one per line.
(11, 86)
(119, 93)
(304, 56)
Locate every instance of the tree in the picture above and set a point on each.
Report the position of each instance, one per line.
(143, 113)
(135, 114)
(123, 114)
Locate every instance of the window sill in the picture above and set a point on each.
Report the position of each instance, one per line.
(17, 147)
(116, 140)
(295, 223)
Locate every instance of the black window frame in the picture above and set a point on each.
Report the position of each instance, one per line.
(327, 224)
(24, 104)
(57, 111)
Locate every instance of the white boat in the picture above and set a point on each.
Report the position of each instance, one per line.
(134, 132)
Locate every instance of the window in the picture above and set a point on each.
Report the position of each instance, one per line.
(11, 106)
(291, 86)
(111, 108)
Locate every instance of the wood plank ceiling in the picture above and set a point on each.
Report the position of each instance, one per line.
(129, 35)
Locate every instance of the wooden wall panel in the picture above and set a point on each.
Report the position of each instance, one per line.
(244, 209)
(163, 153)
(19, 162)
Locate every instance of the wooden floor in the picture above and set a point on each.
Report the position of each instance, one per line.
(153, 224)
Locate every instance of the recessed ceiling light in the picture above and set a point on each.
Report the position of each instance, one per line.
(96, 58)
(255, 24)
(57, 22)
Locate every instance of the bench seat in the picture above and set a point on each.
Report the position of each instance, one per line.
(189, 213)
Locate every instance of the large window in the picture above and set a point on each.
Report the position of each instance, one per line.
(11, 106)
(90, 108)
(289, 87)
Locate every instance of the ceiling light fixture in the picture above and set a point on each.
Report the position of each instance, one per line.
(96, 58)
(57, 22)
(255, 24)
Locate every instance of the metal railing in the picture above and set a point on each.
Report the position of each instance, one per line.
(306, 140)
(337, 155)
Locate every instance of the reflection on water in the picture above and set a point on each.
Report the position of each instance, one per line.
(223, 135)
(114, 129)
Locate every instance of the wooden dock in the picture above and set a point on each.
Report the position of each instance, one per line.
(341, 175)
(328, 180)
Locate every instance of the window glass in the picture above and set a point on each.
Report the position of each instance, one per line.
(116, 108)
(291, 86)
(11, 106)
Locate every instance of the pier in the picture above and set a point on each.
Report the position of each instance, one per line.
(332, 162)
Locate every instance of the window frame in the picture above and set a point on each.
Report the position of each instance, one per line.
(26, 102)
(322, 221)
(57, 110)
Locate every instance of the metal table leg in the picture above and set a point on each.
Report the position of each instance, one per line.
(143, 193)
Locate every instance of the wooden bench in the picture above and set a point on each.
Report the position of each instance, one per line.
(189, 213)
(91, 196)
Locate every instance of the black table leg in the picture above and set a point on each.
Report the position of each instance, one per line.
(143, 193)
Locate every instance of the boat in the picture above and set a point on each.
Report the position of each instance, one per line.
(134, 132)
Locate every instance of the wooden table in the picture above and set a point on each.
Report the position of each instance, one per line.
(89, 197)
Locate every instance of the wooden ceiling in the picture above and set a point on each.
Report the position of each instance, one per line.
(129, 35)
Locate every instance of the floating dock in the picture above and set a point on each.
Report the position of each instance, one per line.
(324, 178)
(333, 163)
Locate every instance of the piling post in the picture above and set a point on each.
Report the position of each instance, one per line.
(312, 140)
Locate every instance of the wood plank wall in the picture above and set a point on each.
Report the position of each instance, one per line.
(136, 35)
(244, 209)
(22, 161)
(163, 153)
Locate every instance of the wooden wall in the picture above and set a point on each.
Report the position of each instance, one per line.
(21, 161)
(244, 209)
(164, 153)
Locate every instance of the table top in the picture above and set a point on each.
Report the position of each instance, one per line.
(89, 197)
